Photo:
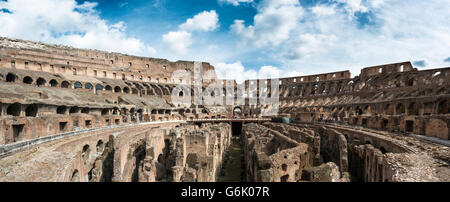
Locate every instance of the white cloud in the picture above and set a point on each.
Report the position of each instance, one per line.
(69, 23)
(179, 41)
(353, 5)
(205, 21)
(235, 2)
(321, 10)
(330, 37)
(273, 23)
(307, 45)
(234, 71)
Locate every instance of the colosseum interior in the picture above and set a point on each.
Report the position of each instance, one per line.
(71, 114)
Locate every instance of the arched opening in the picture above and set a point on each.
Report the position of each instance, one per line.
(27, 80)
(85, 153)
(88, 86)
(134, 91)
(383, 150)
(359, 111)
(237, 112)
(99, 87)
(100, 146)
(31, 110)
(61, 110)
(117, 89)
(53, 83)
(65, 84)
(77, 85)
(126, 90)
(139, 114)
(14, 109)
(108, 88)
(400, 108)
(74, 110)
(40, 81)
(10, 77)
(443, 107)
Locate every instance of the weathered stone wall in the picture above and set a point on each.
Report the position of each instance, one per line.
(272, 157)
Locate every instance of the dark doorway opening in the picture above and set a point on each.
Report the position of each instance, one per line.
(236, 128)
(384, 124)
(88, 123)
(409, 126)
(10, 78)
(62, 126)
(18, 132)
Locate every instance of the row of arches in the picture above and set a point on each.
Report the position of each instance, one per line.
(17, 109)
(372, 83)
(143, 89)
(414, 108)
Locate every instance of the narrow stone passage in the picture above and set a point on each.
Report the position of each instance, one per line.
(232, 170)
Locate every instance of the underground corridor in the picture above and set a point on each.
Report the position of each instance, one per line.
(233, 162)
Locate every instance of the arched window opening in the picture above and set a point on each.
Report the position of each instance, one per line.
(77, 85)
(14, 109)
(85, 153)
(117, 89)
(27, 80)
(88, 86)
(53, 83)
(100, 146)
(31, 110)
(99, 87)
(359, 111)
(74, 110)
(108, 88)
(383, 150)
(10, 77)
(65, 84)
(40, 82)
(126, 90)
(61, 110)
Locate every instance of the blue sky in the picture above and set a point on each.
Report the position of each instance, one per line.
(245, 38)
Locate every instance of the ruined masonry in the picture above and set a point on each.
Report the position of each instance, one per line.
(82, 115)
